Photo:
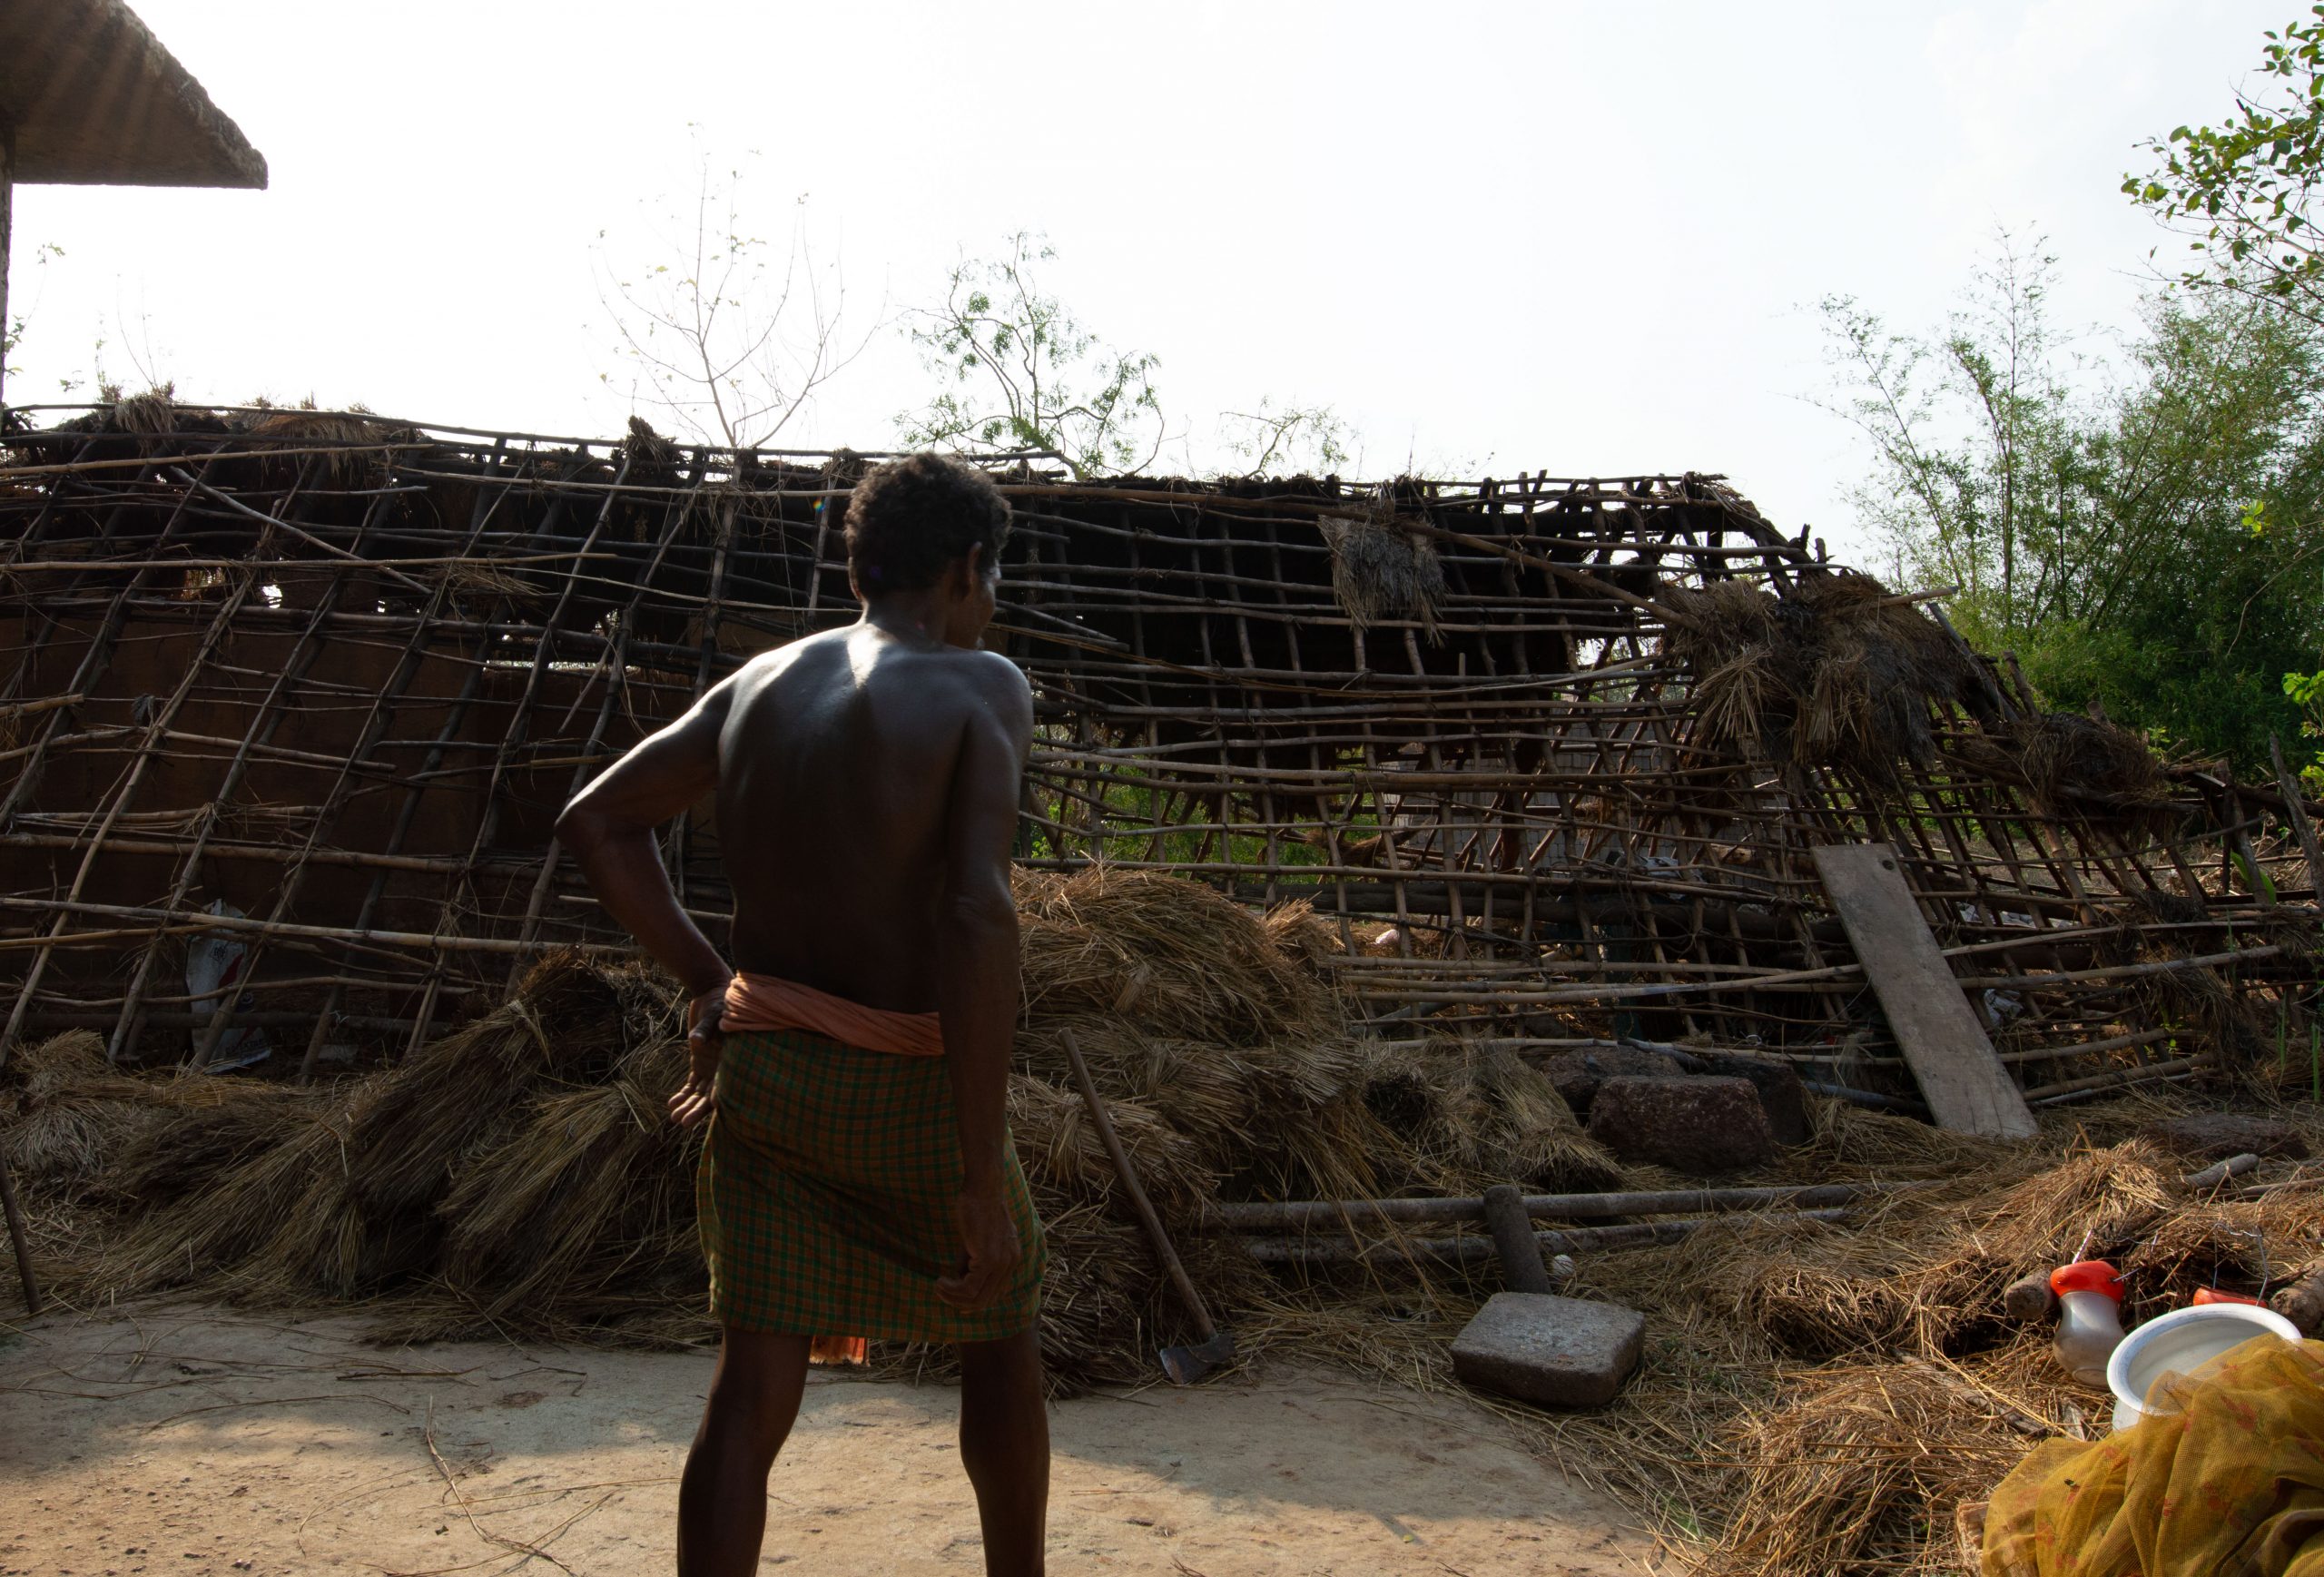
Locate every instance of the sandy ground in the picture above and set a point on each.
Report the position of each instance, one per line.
(199, 1442)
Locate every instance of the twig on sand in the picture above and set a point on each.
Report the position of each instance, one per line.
(271, 1402)
(517, 1547)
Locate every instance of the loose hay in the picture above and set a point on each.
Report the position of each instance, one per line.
(1172, 956)
(76, 1118)
(1860, 1471)
(1457, 1120)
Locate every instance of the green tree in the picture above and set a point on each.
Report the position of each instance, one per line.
(2152, 540)
(1972, 432)
(2243, 192)
(1016, 371)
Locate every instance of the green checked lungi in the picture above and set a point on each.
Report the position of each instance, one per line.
(826, 1195)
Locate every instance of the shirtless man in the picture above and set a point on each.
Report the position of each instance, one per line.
(858, 1178)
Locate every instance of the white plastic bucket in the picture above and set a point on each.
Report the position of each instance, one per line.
(2184, 1340)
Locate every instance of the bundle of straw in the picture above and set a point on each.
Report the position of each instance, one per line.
(1834, 672)
(1381, 571)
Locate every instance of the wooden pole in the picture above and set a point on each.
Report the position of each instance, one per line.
(1329, 1214)
(1512, 1239)
(1475, 1250)
(16, 1240)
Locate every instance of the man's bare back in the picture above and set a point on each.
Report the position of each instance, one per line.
(867, 783)
(837, 756)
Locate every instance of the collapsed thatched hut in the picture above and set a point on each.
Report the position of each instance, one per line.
(1350, 805)
(307, 687)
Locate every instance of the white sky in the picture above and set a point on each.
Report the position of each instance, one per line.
(1579, 237)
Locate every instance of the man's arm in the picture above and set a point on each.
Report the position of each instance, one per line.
(608, 829)
(977, 983)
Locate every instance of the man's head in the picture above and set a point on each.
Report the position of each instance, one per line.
(929, 524)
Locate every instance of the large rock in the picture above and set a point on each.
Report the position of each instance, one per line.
(1690, 1124)
(1578, 1074)
(1781, 1095)
(2214, 1136)
(1566, 1352)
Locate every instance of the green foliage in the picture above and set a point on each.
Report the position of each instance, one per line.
(2306, 691)
(2242, 192)
(1975, 486)
(1017, 372)
(2151, 541)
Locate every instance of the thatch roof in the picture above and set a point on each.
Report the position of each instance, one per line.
(94, 100)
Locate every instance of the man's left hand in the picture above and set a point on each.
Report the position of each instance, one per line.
(989, 1251)
(705, 1040)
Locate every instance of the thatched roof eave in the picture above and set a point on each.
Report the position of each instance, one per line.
(95, 100)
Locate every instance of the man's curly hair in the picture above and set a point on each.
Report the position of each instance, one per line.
(911, 517)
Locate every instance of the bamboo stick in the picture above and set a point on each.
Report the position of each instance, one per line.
(197, 920)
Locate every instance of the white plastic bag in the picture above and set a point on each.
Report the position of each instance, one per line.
(214, 964)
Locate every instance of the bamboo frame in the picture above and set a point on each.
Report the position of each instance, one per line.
(341, 683)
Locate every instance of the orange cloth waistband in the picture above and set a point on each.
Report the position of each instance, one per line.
(771, 1002)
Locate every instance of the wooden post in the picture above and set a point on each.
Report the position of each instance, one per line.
(1513, 1239)
(16, 1214)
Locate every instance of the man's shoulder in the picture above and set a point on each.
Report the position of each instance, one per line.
(977, 682)
(990, 672)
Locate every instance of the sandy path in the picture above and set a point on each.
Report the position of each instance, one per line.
(199, 1442)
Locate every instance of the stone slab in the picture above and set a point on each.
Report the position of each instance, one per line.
(1700, 1126)
(1781, 1095)
(1579, 1075)
(1538, 1346)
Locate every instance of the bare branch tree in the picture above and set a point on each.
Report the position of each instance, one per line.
(730, 334)
(1284, 437)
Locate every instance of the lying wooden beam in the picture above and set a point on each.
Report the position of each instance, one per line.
(1308, 1214)
(1477, 1249)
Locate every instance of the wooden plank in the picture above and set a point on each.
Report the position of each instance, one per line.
(1965, 1083)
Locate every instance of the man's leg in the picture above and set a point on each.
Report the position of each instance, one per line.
(722, 1498)
(1005, 1446)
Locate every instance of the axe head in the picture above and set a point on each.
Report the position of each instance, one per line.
(1185, 1365)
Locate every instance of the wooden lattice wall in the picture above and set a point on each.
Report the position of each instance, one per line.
(319, 683)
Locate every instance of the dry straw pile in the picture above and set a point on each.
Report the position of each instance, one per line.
(2070, 764)
(1815, 1398)
(519, 1175)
